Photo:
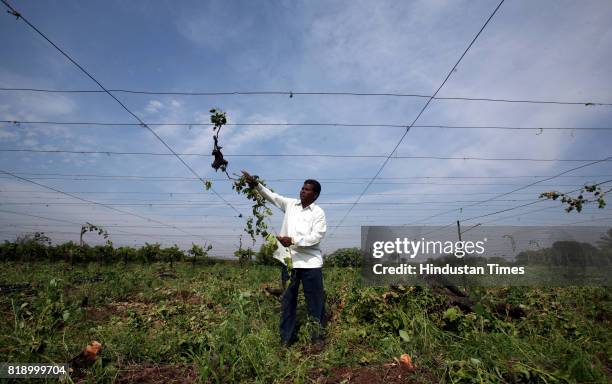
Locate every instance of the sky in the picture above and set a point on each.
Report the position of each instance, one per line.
(544, 50)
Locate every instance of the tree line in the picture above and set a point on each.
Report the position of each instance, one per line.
(38, 247)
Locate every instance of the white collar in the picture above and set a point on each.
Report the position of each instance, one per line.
(298, 202)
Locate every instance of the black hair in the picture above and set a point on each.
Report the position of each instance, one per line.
(315, 184)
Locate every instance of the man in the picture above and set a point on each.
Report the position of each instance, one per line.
(303, 229)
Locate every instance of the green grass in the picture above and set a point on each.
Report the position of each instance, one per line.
(218, 319)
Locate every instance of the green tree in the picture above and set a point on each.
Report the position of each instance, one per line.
(197, 251)
(126, 254)
(32, 246)
(149, 252)
(104, 253)
(172, 254)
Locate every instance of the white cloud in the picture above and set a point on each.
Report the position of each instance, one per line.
(250, 137)
(154, 106)
(7, 135)
(31, 106)
(30, 142)
(215, 26)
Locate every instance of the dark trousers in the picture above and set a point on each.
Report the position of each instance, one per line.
(312, 281)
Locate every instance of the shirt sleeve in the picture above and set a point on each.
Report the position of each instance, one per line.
(276, 199)
(319, 228)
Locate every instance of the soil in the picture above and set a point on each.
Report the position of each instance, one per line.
(189, 297)
(385, 373)
(143, 373)
(97, 315)
(120, 308)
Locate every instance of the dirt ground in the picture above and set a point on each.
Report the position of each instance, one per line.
(154, 374)
(385, 373)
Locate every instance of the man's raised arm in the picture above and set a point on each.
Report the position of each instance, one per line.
(274, 198)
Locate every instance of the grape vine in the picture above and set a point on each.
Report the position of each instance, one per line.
(88, 227)
(259, 209)
(255, 224)
(578, 202)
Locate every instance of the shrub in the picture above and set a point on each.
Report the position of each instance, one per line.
(344, 257)
(245, 256)
(172, 254)
(149, 252)
(104, 253)
(265, 256)
(127, 254)
(65, 251)
(197, 251)
(32, 246)
(8, 251)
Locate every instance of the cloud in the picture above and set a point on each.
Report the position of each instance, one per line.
(30, 142)
(378, 46)
(20, 107)
(252, 136)
(7, 135)
(27, 106)
(215, 25)
(154, 106)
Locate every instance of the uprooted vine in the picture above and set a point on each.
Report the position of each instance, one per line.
(218, 119)
(255, 224)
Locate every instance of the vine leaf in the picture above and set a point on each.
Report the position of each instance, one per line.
(577, 203)
(255, 224)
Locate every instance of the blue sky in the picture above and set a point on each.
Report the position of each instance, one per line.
(545, 50)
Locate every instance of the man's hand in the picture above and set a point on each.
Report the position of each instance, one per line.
(285, 240)
(249, 179)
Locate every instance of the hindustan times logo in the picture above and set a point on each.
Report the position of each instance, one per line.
(413, 248)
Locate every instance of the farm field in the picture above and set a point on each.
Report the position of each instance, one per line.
(215, 323)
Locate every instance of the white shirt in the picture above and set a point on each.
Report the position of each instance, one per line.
(305, 226)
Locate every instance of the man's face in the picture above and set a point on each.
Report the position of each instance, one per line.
(307, 194)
